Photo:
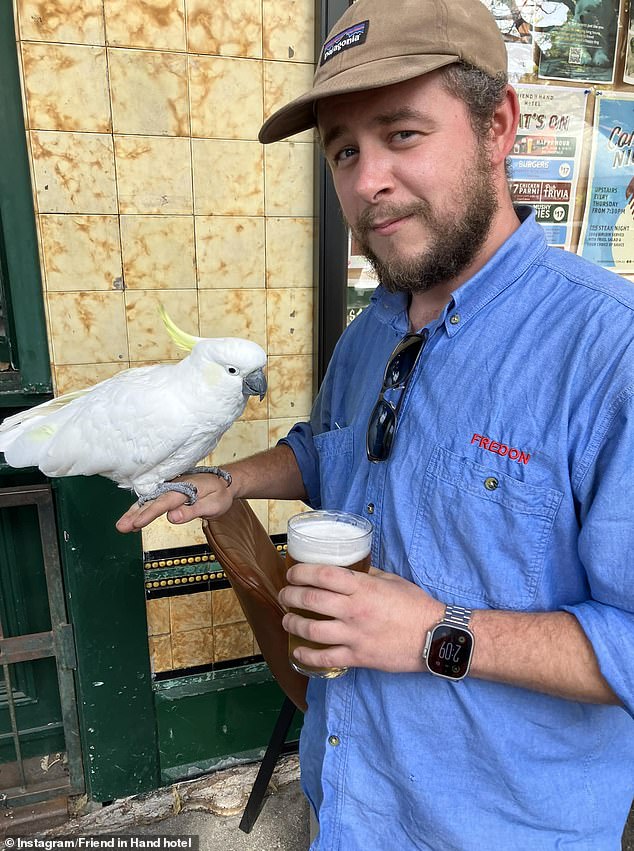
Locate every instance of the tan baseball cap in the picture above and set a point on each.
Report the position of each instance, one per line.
(380, 42)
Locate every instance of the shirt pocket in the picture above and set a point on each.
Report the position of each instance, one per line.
(481, 534)
(335, 449)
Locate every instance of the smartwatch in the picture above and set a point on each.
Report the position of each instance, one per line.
(449, 645)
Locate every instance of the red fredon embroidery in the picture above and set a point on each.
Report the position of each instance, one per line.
(501, 449)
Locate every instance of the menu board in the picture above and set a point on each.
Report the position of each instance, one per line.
(546, 156)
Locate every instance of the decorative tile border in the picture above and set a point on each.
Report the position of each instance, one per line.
(189, 566)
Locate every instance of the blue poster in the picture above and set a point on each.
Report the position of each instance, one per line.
(607, 234)
(528, 168)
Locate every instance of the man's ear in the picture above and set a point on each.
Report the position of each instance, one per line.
(504, 126)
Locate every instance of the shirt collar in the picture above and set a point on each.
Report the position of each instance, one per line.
(509, 262)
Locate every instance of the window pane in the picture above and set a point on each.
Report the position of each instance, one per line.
(361, 280)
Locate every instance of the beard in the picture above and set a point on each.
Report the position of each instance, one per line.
(454, 239)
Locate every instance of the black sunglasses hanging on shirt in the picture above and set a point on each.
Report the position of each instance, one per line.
(399, 369)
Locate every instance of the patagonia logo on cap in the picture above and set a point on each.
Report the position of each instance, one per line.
(344, 40)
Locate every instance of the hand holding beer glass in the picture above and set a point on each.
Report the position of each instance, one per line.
(325, 537)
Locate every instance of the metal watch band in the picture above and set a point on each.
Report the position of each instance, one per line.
(457, 615)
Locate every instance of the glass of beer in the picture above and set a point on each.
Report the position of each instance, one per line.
(325, 537)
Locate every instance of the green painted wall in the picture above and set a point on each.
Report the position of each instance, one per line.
(106, 600)
(214, 720)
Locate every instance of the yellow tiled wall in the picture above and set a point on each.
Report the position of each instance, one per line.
(196, 629)
(150, 186)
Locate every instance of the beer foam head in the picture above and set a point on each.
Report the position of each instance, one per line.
(324, 537)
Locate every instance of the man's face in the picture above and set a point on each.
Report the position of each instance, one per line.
(414, 181)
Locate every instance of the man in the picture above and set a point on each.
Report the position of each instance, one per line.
(492, 452)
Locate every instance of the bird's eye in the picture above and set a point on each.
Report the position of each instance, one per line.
(232, 370)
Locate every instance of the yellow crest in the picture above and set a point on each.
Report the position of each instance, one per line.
(181, 338)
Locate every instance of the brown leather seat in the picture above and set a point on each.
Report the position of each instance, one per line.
(257, 574)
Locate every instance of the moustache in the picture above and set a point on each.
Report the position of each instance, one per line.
(371, 215)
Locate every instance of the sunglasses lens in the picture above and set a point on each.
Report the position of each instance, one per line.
(403, 361)
(382, 422)
(380, 431)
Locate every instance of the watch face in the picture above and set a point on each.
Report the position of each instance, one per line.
(449, 651)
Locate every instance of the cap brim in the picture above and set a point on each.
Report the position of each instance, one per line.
(299, 114)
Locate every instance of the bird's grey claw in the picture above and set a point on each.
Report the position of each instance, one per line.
(225, 475)
(193, 497)
(216, 471)
(188, 489)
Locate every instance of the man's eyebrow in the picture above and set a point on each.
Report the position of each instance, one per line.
(403, 113)
(333, 133)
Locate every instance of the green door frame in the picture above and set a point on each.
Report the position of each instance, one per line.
(29, 381)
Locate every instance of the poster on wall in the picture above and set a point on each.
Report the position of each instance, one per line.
(576, 39)
(546, 156)
(515, 21)
(607, 233)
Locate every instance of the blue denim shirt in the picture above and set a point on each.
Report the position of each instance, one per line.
(527, 377)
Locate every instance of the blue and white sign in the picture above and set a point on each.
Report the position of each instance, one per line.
(542, 168)
(607, 234)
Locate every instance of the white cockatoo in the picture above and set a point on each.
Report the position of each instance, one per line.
(143, 426)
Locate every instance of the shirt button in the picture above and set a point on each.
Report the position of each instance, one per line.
(334, 741)
(491, 483)
(455, 319)
(370, 508)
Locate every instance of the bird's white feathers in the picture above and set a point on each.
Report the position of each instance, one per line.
(144, 426)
